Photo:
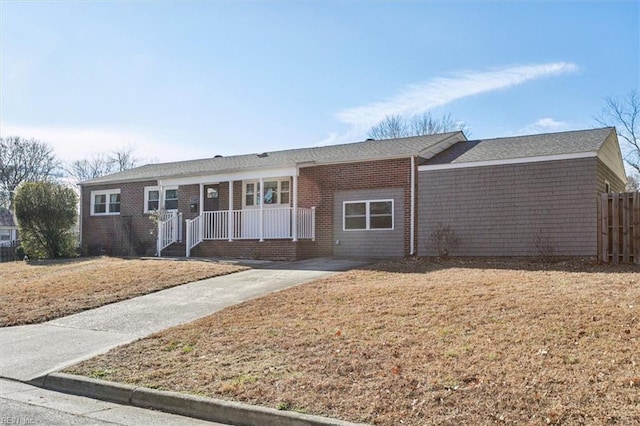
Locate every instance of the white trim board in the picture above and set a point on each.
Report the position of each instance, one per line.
(231, 176)
(540, 159)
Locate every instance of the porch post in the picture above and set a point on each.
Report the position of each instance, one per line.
(261, 198)
(230, 218)
(159, 239)
(201, 207)
(294, 215)
(201, 214)
(160, 209)
(160, 198)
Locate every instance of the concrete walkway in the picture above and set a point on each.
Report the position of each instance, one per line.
(33, 351)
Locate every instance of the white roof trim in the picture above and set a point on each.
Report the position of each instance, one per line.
(522, 160)
(232, 176)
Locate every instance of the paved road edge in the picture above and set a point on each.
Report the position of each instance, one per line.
(216, 410)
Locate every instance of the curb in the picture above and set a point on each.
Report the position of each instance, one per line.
(210, 409)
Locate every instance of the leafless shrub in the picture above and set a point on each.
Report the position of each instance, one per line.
(444, 240)
(544, 246)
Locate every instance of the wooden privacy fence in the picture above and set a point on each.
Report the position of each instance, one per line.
(8, 251)
(619, 227)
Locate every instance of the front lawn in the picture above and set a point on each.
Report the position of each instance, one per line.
(37, 291)
(416, 342)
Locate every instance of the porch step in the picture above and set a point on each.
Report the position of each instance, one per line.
(175, 250)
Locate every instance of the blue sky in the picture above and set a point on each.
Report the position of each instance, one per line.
(183, 80)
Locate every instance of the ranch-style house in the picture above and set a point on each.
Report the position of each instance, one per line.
(511, 196)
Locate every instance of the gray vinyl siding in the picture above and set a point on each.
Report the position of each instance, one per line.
(370, 243)
(546, 208)
(606, 174)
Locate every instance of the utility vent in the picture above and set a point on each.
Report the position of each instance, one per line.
(217, 156)
(369, 139)
(263, 155)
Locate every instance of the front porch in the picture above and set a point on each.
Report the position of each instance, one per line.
(282, 223)
(245, 206)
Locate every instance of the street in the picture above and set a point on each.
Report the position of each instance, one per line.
(22, 404)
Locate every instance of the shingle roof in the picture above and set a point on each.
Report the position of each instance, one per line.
(352, 152)
(6, 219)
(572, 142)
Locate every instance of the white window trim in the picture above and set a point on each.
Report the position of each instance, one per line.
(147, 190)
(163, 197)
(368, 215)
(256, 184)
(162, 191)
(107, 193)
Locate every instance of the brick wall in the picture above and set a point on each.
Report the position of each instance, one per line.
(250, 249)
(509, 210)
(185, 193)
(128, 233)
(316, 187)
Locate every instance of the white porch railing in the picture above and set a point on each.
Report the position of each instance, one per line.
(215, 225)
(194, 233)
(169, 230)
(252, 224)
(307, 224)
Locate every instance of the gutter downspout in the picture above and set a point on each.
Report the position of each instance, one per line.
(412, 238)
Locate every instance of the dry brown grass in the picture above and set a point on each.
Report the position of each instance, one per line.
(416, 342)
(37, 291)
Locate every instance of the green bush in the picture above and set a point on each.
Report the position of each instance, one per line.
(46, 212)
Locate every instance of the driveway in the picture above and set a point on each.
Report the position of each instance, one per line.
(31, 351)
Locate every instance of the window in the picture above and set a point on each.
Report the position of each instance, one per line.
(607, 186)
(276, 192)
(100, 203)
(5, 234)
(152, 199)
(250, 193)
(114, 203)
(105, 202)
(368, 215)
(355, 216)
(271, 192)
(171, 199)
(284, 192)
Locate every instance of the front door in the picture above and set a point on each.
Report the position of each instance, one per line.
(215, 221)
(211, 197)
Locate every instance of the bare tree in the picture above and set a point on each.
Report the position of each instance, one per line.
(96, 166)
(426, 124)
(393, 126)
(102, 164)
(123, 159)
(23, 160)
(632, 183)
(624, 114)
(397, 126)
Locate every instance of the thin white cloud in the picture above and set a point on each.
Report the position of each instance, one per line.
(546, 124)
(419, 98)
(77, 143)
